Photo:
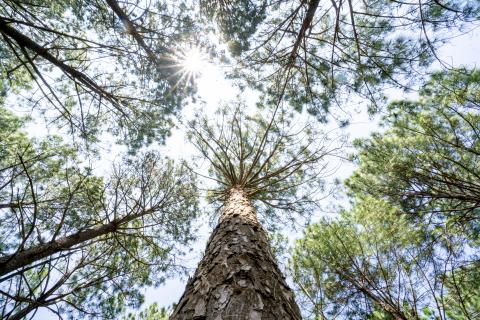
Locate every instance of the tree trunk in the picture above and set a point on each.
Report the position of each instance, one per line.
(25, 42)
(238, 277)
(23, 258)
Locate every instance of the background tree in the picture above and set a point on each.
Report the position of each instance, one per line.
(463, 298)
(96, 65)
(76, 244)
(151, 313)
(409, 247)
(373, 263)
(428, 159)
(255, 164)
(327, 50)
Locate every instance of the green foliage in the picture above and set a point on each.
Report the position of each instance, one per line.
(328, 51)
(428, 158)
(463, 299)
(373, 263)
(237, 20)
(93, 68)
(340, 264)
(46, 195)
(409, 247)
(151, 313)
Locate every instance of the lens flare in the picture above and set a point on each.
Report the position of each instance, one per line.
(193, 61)
(190, 63)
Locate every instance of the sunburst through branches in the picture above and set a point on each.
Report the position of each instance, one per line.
(192, 62)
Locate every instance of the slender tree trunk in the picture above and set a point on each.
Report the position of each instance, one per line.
(25, 42)
(131, 29)
(238, 277)
(23, 258)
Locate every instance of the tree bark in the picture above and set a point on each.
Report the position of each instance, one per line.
(238, 277)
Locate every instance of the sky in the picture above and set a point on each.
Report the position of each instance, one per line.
(214, 90)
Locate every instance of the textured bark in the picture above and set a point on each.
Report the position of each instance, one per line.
(238, 277)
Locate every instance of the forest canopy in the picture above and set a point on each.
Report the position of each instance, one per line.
(115, 164)
(408, 248)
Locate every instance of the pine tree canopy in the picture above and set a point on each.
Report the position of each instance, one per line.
(409, 247)
(331, 51)
(428, 159)
(98, 65)
(278, 164)
(76, 243)
(240, 159)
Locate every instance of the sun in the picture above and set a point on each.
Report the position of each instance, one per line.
(193, 61)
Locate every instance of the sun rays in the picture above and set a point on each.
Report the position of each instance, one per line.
(191, 63)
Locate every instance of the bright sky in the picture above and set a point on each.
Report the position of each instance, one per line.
(214, 90)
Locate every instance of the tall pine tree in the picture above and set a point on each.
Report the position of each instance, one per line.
(258, 166)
